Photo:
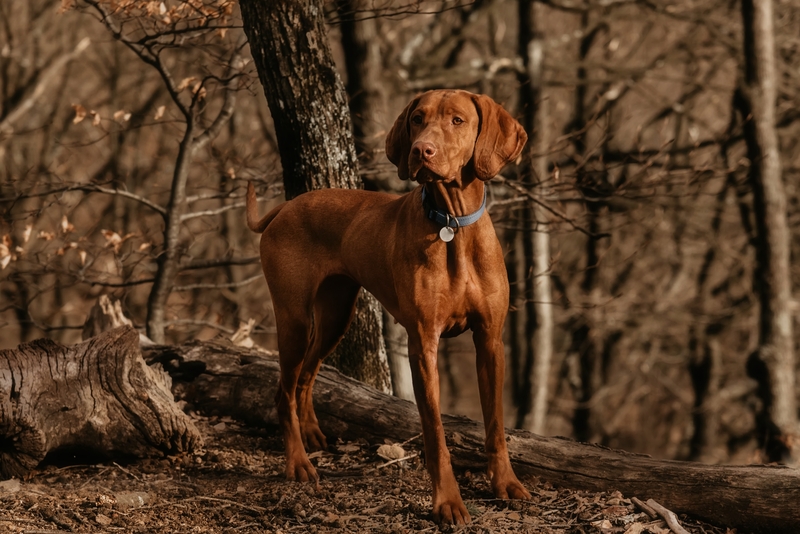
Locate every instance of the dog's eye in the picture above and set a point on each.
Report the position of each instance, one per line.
(458, 120)
(416, 119)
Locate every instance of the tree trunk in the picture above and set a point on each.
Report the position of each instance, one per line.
(362, 56)
(170, 258)
(585, 337)
(706, 360)
(773, 364)
(241, 383)
(538, 290)
(97, 397)
(308, 103)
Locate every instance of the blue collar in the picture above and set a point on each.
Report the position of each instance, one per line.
(442, 218)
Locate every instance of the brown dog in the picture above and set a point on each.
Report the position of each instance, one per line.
(431, 257)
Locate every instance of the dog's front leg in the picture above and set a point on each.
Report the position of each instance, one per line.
(490, 362)
(448, 507)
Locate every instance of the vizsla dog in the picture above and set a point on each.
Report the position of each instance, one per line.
(431, 257)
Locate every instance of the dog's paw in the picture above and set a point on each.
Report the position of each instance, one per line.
(300, 470)
(313, 438)
(451, 512)
(510, 489)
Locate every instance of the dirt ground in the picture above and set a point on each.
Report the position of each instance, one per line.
(236, 485)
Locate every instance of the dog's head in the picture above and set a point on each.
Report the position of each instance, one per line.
(443, 134)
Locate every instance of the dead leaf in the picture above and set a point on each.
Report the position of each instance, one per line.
(615, 511)
(47, 236)
(348, 448)
(114, 240)
(635, 528)
(95, 118)
(199, 90)
(391, 452)
(4, 261)
(185, 83)
(602, 524)
(26, 235)
(66, 226)
(160, 112)
(241, 338)
(80, 113)
(122, 116)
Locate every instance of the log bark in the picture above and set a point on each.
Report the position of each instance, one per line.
(96, 397)
(226, 380)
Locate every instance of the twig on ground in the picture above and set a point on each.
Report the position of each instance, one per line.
(226, 501)
(668, 516)
(126, 471)
(390, 462)
(409, 440)
(644, 508)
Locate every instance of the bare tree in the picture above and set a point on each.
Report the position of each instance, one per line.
(152, 98)
(536, 241)
(773, 364)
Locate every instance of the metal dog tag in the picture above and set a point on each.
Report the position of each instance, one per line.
(446, 234)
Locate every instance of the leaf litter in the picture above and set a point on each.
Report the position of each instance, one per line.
(237, 485)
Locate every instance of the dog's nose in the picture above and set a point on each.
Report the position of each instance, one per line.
(423, 150)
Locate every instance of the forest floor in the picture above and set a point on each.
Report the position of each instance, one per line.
(236, 484)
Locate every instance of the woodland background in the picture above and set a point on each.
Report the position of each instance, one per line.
(643, 196)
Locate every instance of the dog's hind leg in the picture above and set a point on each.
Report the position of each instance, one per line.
(294, 336)
(334, 305)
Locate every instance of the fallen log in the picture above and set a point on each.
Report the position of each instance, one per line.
(95, 397)
(242, 383)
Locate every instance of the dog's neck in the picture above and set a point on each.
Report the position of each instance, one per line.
(454, 198)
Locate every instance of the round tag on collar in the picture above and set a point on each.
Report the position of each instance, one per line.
(446, 234)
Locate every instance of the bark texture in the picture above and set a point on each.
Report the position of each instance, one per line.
(95, 397)
(306, 96)
(308, 103)
(241, 383)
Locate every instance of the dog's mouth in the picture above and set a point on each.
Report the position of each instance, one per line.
(423, 173)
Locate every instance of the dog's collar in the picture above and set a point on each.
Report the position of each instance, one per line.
(444, 219)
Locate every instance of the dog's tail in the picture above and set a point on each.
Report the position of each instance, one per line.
(251, 209)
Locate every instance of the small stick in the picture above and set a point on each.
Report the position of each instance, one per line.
(227, 501)
(409, 440)
(643, 507)
(668, 516)
(390, 462)
(126, 471)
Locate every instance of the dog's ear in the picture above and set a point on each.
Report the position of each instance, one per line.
(398, 141)
(500, 138)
